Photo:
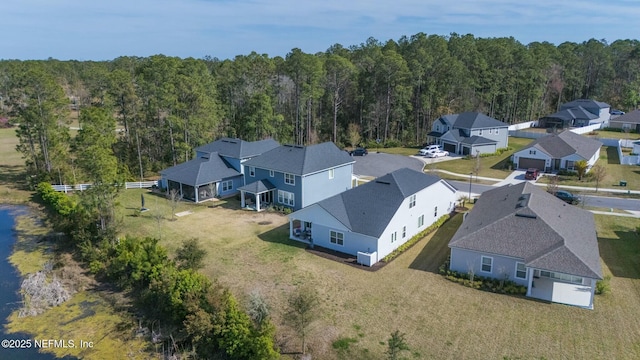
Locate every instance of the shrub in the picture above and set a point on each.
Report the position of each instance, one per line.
(402, 248)
(482, 283)
(391, 143)
(603, 286)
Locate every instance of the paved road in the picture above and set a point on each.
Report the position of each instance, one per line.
(590, 200)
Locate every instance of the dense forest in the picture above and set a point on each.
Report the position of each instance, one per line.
(392, 92)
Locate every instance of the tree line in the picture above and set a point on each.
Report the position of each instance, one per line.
(389, 92)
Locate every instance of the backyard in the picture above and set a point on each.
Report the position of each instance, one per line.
(250, 251)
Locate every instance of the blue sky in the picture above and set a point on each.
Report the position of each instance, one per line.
(104, 30)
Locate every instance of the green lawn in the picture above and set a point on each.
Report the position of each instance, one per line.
(249, 251)
(605, 134)
(12, 178)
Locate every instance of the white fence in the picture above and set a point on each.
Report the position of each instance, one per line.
(586, 129)
(127, 185)
(524, 125)
(527, 134)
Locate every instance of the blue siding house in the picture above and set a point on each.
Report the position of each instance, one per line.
(296, 176)
(216, 170)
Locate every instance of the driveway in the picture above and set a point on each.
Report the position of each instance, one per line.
(378, 164)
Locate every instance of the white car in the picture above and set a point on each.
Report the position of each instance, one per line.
(437, 154)
(429, 149)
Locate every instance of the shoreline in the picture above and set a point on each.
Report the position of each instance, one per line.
(90, 316)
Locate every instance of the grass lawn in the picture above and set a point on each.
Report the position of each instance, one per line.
(12, 178)
(605, 134)
(249, 251)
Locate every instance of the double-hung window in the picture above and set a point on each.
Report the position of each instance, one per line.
(521, 271)
(289, 179)
(252, 171)
(271, 173)
(487, 264)
(421, 221)
(286, 198)
(227, 185)
(336, 238)
(412, 201)
(394, 236)
(331, 173)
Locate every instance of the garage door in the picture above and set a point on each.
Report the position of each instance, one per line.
(449, 147)
(525, 163)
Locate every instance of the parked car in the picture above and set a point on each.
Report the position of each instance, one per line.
(568, 197)
(429, 149)
(437, 154)
(359, 152)
(532, 174)
(616, 112)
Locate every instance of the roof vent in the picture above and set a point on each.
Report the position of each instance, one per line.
(383, 182)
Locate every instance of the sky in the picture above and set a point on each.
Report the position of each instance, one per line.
(104, 30)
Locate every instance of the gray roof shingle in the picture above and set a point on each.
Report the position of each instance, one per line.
(585, 103)
(526, 222)
(238, 149)
(475, 120)
(368, 208)
(302, 160)
(566, 143)
(632, 117)
(258, 187)
(200, 171)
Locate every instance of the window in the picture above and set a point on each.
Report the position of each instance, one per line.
(532, 152)
(569, 165)
(337, 238)
(560, 276)
(435, 212)
(412, 201)
(404, 231)
(487, 264)
(497, 131)
(271, 174)
(480, 132)
(252, 171)
(286, 198)
(289, 179)
(394, 236)
(490, 131)
(227, 185)
(521, 271)
(331, 173)
(437, 128)
(421, 221)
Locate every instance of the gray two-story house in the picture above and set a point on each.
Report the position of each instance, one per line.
(469, 133)
(577, 113)
(215, 171)
(296, 176)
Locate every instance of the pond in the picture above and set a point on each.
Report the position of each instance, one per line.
(9, 293)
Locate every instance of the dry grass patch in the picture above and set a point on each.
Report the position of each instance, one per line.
(441, 319)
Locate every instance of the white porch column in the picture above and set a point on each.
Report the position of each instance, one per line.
(196, 188)
(242, 203)
(530, 275)
(593, 292)
(257, 202)
(290, 228)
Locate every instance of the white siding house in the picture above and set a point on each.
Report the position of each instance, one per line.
(372, 220)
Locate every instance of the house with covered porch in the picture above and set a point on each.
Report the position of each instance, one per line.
(296, 176)
(524, 234)
(215, 171)
(372, 220)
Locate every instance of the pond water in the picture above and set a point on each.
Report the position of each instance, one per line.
(9, 287)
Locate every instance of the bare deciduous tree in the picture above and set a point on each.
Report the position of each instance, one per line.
(599, 172)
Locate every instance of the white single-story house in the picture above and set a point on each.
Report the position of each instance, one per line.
(373, 219)
(526, 235)
(558, 152)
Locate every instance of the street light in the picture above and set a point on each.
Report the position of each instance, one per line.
(470, 177)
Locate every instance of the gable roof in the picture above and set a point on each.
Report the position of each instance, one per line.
(632, 117)
(200, 171)
(367, 209)
(564, 144)
(475, 120)
(524, 221)
(258, 187)
(302, 160)
(238, 149)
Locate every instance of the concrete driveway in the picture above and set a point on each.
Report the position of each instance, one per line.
(378, 164)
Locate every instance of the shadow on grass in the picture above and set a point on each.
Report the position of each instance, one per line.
(436, 250)
(280, 235)
(622, 254)
(612, 155)
(13, 175)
